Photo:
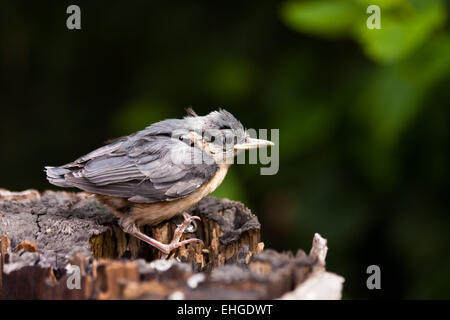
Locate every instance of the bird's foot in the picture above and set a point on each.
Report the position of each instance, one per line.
(188, 225)
(191, 227)
(167, 248)
(174, 244)
(164, 248)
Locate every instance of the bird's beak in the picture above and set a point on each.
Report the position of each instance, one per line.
(253, 144)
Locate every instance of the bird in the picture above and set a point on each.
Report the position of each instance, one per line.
(160, 172)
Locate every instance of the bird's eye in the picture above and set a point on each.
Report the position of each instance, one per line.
(213, 138)
(180, 138)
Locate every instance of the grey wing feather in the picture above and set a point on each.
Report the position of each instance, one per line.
(140, 168)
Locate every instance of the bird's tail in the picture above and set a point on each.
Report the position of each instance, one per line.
(56, 176)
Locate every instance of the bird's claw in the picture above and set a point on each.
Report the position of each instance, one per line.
(166, 249)
(181, 228)
(190, 220)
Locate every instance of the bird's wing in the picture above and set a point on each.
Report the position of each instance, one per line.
(150, 169)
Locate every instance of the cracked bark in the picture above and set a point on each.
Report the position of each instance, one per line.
(43, 233)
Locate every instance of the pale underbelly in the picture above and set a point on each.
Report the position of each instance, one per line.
(154, 213)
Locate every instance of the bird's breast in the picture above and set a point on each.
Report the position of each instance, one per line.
(154, 213)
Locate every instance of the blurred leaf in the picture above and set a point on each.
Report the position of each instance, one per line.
(322, 17)
(405, 25)
(384, 4)
(392, 97)
(392, 100)
(402, 31)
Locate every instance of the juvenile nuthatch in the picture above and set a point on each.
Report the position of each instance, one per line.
(159, 172)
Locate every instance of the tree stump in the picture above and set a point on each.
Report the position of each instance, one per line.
(61, 245)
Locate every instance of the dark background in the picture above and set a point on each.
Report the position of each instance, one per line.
(363, 114)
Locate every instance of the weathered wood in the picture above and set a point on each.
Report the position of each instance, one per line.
(225, 228)
(63, 224)
(43, 235)
(319, 284)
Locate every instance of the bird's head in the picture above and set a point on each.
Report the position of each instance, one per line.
(219, 134)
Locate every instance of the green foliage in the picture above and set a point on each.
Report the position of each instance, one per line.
(405, 26)
(386, 104)
(326, 18)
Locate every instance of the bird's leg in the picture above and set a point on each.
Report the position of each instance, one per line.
(164, 248)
